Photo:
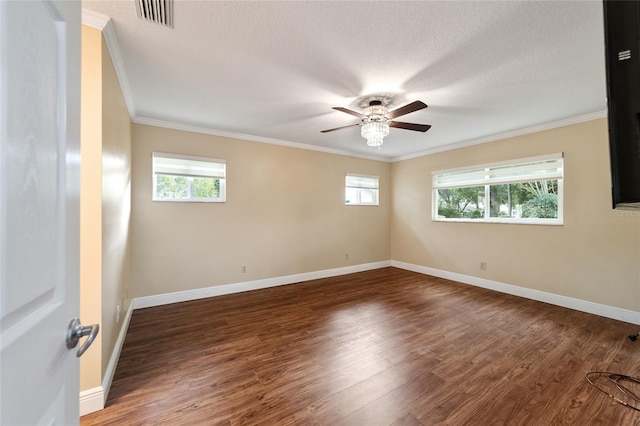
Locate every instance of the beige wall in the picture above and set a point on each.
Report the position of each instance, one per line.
(116, 207)
(594, 256)
(104, 205)
(284, 215)
(91, 202)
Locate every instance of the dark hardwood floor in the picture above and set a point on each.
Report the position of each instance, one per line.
(383, 347)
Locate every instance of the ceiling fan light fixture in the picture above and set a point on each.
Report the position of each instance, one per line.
(374, 132)
(375, 108)
(376, 119)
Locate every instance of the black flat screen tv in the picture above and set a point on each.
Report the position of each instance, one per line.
(622, 49)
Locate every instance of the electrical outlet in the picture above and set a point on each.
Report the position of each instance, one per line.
(243, 269)
(346, 256)
(118, 314)
(483, 266)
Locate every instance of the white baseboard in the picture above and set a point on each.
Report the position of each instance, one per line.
(97, 397)
(219, 290)
(115, 355)
(91, 400)
(620, 314)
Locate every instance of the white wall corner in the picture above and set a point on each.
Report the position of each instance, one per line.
(220, 290)
(115, 355)
(91, 400)
(613, 312)
(104, 24)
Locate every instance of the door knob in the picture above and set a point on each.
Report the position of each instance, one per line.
(76, 330)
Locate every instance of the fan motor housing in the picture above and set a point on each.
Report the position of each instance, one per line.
(375, 112)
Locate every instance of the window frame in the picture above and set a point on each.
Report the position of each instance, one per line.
(191, 175)
(487, 182)
(361, 188)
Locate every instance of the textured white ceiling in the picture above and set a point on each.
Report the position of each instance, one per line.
(273, 70)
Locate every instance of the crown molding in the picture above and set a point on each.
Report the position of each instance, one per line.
(252, 138)
(104, 24)
(94, 20)
(506, 135)
(492, 138)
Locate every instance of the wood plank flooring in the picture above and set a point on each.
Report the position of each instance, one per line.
(383, 347)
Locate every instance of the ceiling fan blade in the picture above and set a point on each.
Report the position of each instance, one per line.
(338, 128)
(410, 126)
(413, 106)
(348, 111)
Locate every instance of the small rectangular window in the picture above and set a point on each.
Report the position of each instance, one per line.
(187, 178)
(522, 191)
(361, 190)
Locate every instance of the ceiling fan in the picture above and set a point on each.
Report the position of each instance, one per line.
(376, 119)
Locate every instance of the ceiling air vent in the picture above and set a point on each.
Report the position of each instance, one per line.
(157, 11)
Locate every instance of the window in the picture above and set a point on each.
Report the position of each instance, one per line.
(187, 178)
(361, 190)
(524, 191)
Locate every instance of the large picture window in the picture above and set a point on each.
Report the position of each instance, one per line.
(187, 178)
(523, 191)
(361, 190)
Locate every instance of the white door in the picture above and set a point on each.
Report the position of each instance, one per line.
(39, 211)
